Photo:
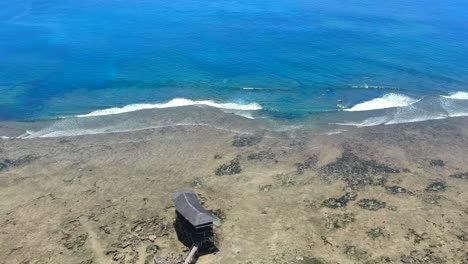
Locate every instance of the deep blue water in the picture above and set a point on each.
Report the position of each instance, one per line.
(66, 57)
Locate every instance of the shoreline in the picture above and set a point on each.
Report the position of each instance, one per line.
(218, 117)
(389, 109)
(382, 194)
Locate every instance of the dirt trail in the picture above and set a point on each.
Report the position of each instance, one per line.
(94, 244)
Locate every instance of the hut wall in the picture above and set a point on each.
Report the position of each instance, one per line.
(189, 235)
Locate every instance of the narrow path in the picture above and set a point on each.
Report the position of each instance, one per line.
(94, 244)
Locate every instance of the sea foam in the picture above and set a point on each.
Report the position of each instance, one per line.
(253, 88)
(177, 102)
(457, 95)
(387, 101)
(427, 108)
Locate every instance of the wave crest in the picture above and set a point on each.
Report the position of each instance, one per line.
(390, 100)
(457, 95)
(427, 108)
(177, 102)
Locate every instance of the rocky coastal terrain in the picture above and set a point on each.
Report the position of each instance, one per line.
(384, 194)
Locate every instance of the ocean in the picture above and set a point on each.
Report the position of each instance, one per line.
(363, 62)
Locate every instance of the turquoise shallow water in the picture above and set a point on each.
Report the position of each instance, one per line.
(62, 57)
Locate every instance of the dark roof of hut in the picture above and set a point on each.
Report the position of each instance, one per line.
(187, 204)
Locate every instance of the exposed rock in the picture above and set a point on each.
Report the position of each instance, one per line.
(411, 260)
(152, 249)
(375, 233)
(310, 162)
(357, 172)
(326, 241)
(105, 229)
(340, 202)
(380, 260)
(354, 252)
(432, 198)
(149, 259)
(218, 156)
(73, 241)
(426, 257)
(463, 237)
(286, 179)
(437, 163)
(73, 237)
(219, 213)
(265, 188)
(219, 217)
(146, 227)
(437, 186)
(166, 260)
(306, 260)
(417, 238)
(233, 167)
(300, 168)
(339, 221)
(463, 176)
(118, 257)
(16, 162)
(371, 204)
(246, 140)
(20, 161)
(395, 189)
(196, 183)
(70, 178)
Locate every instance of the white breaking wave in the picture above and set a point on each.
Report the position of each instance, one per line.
(373, 121)
(335, 132)
(245, 114)
(254, 88)
(387, 101)
(457, 95)
(109, 120)
(428, 108)
(382, 120)
(177, 102)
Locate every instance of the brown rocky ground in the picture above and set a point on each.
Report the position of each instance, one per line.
(387, 194)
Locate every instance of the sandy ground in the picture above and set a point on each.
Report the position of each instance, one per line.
(386, 194)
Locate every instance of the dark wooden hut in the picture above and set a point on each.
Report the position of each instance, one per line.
(194, 224)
